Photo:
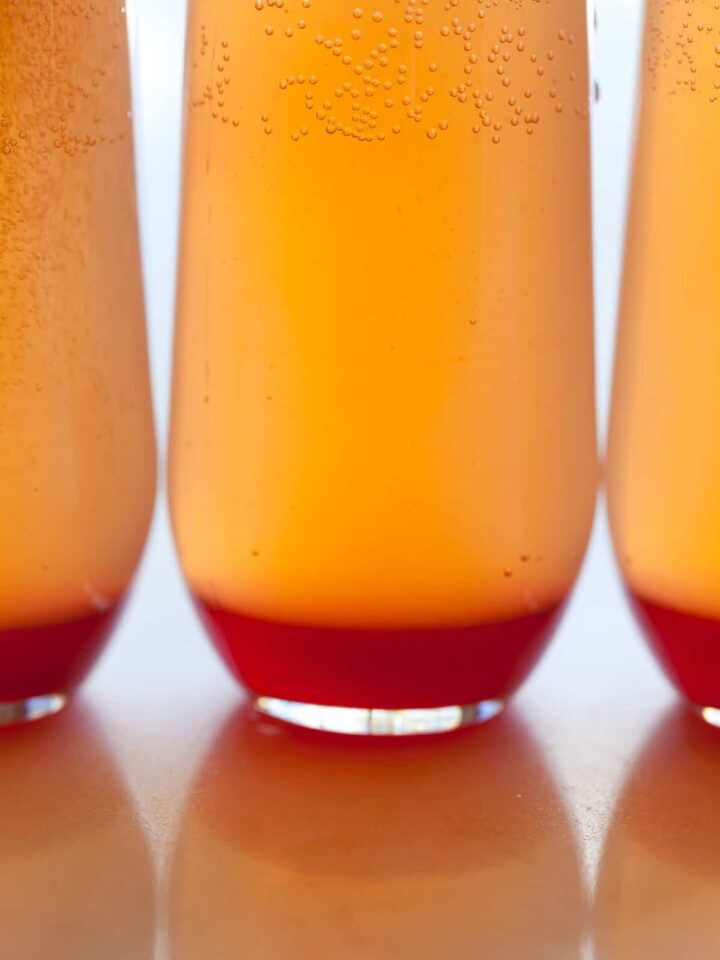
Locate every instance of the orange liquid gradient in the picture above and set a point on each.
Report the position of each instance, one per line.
(77, 468)
(383, 399)
(664, 453)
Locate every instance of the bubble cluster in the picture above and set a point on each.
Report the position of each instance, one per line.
(65, 134)
(387, 56)
(682, 49)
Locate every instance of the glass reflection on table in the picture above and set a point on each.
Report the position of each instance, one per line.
(300, 845)
(658, 890)
(76, 879)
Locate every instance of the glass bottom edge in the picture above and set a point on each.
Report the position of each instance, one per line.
(32, 708)
(710, 715)
(378, 722)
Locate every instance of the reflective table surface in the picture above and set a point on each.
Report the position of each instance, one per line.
(159, 817)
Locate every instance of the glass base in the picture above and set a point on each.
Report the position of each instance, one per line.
(377, 722)
(710, 715)
(34, 708)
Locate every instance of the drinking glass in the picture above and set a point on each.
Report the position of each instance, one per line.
(383, 461)
(77, 466)
(664, 450)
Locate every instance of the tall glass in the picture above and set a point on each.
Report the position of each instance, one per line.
(383, 460)
(77, 463)
(664, 452)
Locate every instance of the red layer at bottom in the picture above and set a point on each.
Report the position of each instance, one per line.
(687, 646)
(391, 669)
(53, 658)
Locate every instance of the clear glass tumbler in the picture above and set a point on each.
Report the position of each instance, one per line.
(383, 462)
(77, 457)
(664, 450)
